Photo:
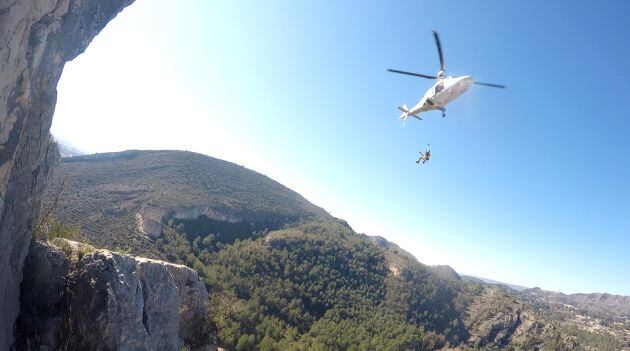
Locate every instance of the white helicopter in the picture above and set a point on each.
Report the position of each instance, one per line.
(445, 89)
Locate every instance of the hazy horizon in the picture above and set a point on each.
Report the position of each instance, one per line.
(527, 186)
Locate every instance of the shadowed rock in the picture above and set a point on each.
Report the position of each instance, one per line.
(37, 37)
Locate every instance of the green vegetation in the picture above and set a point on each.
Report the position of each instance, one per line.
(568, 337)
(67, 238)
(319, 286)
(59, 230)
(282, 274)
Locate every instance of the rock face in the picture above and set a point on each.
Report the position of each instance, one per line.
(108, 301)
(496, 319)
(37, 37)
(150, 221)
(41, 313)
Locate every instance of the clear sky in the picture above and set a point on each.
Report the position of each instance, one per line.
(529, 185)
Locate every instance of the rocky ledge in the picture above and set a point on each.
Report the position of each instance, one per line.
(76, 297)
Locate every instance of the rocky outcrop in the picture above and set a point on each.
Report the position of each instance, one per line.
(149, 221)
(150, 218)
(193, 323)
(495, 319)
(37, 37)
(102, 300)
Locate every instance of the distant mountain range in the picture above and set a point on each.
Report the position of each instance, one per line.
(481, 280)
(599, 304)
(67, 150)
(284, 274)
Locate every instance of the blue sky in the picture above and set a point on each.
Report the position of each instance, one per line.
(529, 185)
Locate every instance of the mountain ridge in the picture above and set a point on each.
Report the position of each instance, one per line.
(136, 191)
(482, 280)
(595, 303)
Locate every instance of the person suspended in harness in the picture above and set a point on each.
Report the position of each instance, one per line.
(424, 156)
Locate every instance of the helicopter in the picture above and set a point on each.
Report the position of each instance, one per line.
(445, 89)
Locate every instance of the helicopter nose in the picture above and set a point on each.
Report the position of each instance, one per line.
(466, 82)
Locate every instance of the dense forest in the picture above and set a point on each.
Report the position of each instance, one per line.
(320, 286)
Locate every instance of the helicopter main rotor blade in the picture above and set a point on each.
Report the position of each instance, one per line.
(436, 36)
(491, 85)
(412, 74)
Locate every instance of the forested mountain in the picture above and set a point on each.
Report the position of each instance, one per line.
(283, 274)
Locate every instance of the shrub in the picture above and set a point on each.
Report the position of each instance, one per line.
(60, 230)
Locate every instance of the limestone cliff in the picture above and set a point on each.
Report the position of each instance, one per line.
(80, 298)
(37, 37)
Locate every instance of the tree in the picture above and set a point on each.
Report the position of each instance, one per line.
(246, 343)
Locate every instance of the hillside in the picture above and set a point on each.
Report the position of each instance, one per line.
(120, 200)
(282, 274)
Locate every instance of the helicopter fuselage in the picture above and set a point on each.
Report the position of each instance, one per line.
(442, 93)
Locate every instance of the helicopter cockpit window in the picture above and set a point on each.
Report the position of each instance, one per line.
(439, 87)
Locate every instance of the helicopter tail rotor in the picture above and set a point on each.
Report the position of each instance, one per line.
(405, 113)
